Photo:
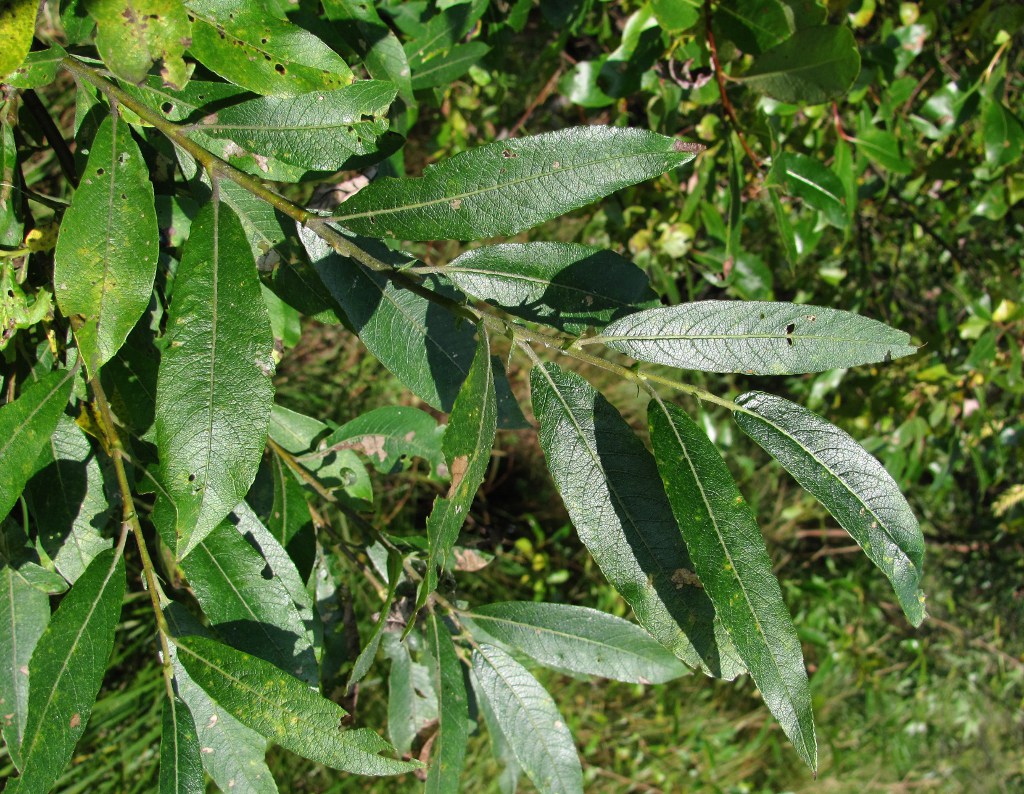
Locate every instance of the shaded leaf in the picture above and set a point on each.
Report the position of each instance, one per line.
(66, 671)
(565, 285)
(811, 181)
(445, 67)
(611, 489)
(390, 437)
(294, 431)
(755, 337)
(730, 558)
(181, 766)
(381, 51)
(882, 148)
(506, 187)
(528, 719)
(289, 512)
(25, 425)
(214, 390)
(133, 34)
(578, 639)
(812, 66)
(853, 486)
(284, 709)
(412, 700)
(452, 708)
(1003, 134)
(368, 654)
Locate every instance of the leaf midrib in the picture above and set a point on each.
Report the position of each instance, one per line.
(500, 274)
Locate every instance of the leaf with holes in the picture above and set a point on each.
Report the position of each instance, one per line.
(133, 34)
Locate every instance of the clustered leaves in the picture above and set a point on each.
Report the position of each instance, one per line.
(180, 279)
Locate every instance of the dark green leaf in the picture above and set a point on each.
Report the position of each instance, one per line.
(289, 513)
(443, 68)
(321, 130)
(369, 652)
(17, 24)
(425, 346)
(453, 712)
(578, 639)
(24, 613)
(529, 720)
(812, 66)
(106, 257)
(566, 285)
(381, 51)
(789, 242)
(284, 709)
(25, 425)
(753, 25)
(38, 69)
(133, 34)
(854, 487)
(1003, 134)
(755, 337)
(811, 181)
(611, 488)
(883, 148)
(12, 225)
(467, 451)
(181, 765)
(214, 391)
(730, 558)
(247, 44)
(66, 672)
(505, 187)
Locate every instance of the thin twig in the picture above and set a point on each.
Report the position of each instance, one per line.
(53, 135)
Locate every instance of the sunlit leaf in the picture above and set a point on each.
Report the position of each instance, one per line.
(133, 34)
(181, 766)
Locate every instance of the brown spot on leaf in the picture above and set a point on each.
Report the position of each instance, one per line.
(75, 721)
(688, 146)
(469, 560)
(458, 470)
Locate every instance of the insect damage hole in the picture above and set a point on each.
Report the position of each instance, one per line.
(789, 333)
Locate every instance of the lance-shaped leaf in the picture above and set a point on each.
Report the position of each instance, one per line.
(246, 44)
(17, 24)
(578, 639)
(12, 224)
(232, 754)
(106, 257)
(289, 512)
(427, 347)
(181, 765)
(412, 699)
(813, 182)
(374, 41)
(321, 130)
(732, 562)
(610, 485)
(214, 390)
(528, 719)
(505, 187)
(132, 34)
(467, 450)
(368, 654)
(755, 337)
(252, 611)
(66, 672)
(389, 437)
(69, 502)
(445, 67)
(853, 486)
(812, 66)
(294, 431)
(566, 285)
(284, 709)
(24, 613)
(452, 709)
(25, 425)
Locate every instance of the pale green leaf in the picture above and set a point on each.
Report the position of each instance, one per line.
(854, 487)
(294, 431)
(412, 699)
(66, 671)
(812, 66)
(214, 389)
(755, 337)
(389, 437)
(529, 721)
(38, 69)
(133, 34)
(106, 257)
(452, 708)
(578, 639)
(610, 485)
(730, 558)
(181, 765)
(368, 654)
(284, 709)
(506, 187)
(17, 25)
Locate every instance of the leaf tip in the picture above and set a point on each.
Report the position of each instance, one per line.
(691, 147)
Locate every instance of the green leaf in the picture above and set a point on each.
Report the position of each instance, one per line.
(426, 347)
(250, 606)
(38, 69)
(611, 488)
(730, 558)
(506, 187)
(755, 337)
(106, 257)
(444, 68)
(24, 613)
(789, 241)
(412, 699)
(452, 708)
(214, 390)
(812, 66)
(69, 502)
(289, 512)
(133, 34)
(674, 15)
(17, 25)
(381, 51)
(389, 437)
(853, 486)
(12, 225)
(247, 44)
(25, 425)
(294, 431)
(321, 130)
(813, 182)
(181, 765)
(565, 285)
(467, 451)
(66, 672)
(529, 720)
(883, 148)
(578, 639)
(284, 709)
(368, 654)
(1003, 134)
(753, 25)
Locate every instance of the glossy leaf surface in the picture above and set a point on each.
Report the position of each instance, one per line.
(505, 187)
(610, 485)
(854, 487)
(730, 558)
(811, 181)
(755, 337)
